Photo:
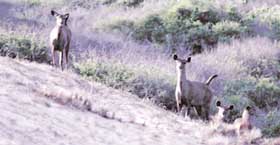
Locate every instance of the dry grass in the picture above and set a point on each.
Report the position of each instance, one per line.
(117, 110)
(229, 61)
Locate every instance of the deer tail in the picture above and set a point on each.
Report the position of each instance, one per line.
(210, 79)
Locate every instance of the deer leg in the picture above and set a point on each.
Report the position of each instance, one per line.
(205, 112)
(179, 102)
(67, 55)
(178, 107)
(189, 107)
(188, 110)
(61, 60)
(53, 57)
(199, 111)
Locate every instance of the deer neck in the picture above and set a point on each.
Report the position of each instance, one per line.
(181, 76)
(220, 114)
(60, 24)
(245, 116)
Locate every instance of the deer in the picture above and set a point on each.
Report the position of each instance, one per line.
(244, 123)
(60, 38)
(219, 121)
(192, 93)
(223, 110)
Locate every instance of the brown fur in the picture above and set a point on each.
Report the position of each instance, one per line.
(222, 110)
(60, 38)
(191, 93)
(244, 123)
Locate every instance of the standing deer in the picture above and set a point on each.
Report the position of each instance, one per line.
(191, 93)
(60, 38)
(222, 113)
(244, 123)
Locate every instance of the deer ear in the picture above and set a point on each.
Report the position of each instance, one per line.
(66, 16)
(54, 13)
(218, 103)
(175, 57)
(230, 107)
(248, 108)
(189, 59)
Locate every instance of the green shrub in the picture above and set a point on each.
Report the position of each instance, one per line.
(125, 26)
(239, 102)
(199, 36)
(33, 2)
(276, 29)
(194, 28)
(128, 3)
(235, 93)
(239, 87)
(132, 3)
(152, 29)
(263, 93)
(189, 27)
(272, 124)
(139, 82)
(23, 48)
(266, 94)
(107, 2)
(193, 25)
(205, 16)
(114, 76)
(268, 68)
(228, 29)
(272, 131)
(233, 15)
(269, 16)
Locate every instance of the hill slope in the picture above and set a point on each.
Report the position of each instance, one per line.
(38, 106)
(27, 117)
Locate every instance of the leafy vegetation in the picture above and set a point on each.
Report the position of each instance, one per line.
(124, 32)
(272, 124)
(141, 83)
(22, 48)
(263, 93)
(194, 28)
(268, 16)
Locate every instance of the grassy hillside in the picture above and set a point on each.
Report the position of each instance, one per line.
(51, 108)
(127, 45)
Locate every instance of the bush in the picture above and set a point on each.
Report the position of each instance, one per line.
(23, 48)
(205, 16)
(200, 36)
(268, 68)
(138, 82)
(228, 29)
(235, 92)
(269, 16)
(124, 26)
(233, 15)
(188, 27)
(152, 29)
(194, 28)
(132, 3)
(263, 93)
(272, 131)
(272, 124)
(108, 2)
(114, 76)
(266, 94)
(239, 102)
